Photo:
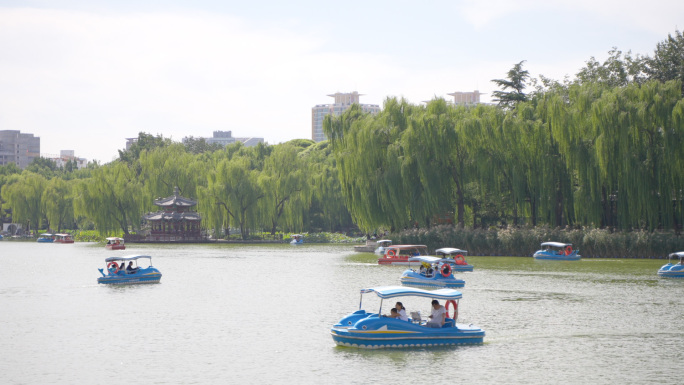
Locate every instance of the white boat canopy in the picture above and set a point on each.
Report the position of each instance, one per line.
(402, 291)
(556, 244)
(384, 241)
(129, 258)
(425, 258)
(46, 235)
(450, 250)
(114, 239)
(679, 254)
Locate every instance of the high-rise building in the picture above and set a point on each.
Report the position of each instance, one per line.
(18, 148)
(342, 102)
(466, 98)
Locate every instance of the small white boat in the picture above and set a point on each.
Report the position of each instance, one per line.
(297, 239)
(433, 273)
(383, 244)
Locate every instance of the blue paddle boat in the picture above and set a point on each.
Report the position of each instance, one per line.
(120, 274)
(557, 251)
(432, 273)
(673, 270)
(366, 330)
(46, 238)
(297, 239)
(383, 244)
(454, 257)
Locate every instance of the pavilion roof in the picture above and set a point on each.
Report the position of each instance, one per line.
(172, 216)
(175, 200)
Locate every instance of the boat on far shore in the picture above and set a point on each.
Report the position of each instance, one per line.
(673, 270)
(45, 238)
(557, 251)
(115, 243)
(64, 238)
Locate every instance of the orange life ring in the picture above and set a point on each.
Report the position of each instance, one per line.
(449, 303)
(390, 253)
(459, 260)
(446, 270)
(116, 267)
(568, 250)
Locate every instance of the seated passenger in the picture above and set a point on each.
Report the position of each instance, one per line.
(401, 310)
(438, 315)
(393, 314)
(130, 268)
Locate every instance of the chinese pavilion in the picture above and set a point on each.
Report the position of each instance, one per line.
(175, 222)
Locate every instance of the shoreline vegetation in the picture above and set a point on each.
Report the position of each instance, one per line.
(513, 242)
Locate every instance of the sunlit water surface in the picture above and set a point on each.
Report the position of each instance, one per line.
(232, 314)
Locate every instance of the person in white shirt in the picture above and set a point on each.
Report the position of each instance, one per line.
(402, 311)
(438, 315)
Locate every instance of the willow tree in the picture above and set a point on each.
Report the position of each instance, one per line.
(231, 195)
(369, 157)
(112, 198)
(327, 210)
(57, 199)
(23, 194)
(285, 187)
(642, 147)
(165, 168)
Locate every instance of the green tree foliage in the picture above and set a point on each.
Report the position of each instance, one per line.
(286, 189)
(144, 142)
(516, 82)
(43, 166)
(199, 145)
(667, 62)
(165, 168)
(23, 193)
(231, 195)
(57, 199)
(111, 198)
(616, 71)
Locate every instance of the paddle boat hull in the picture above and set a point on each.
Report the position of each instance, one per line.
(148, 275)
(370, 331)
(673, 270)
(45, 238)
(552, 256)
(557, 251)
(418, 279)
(118, 275)
(115, 247)
(361, 329)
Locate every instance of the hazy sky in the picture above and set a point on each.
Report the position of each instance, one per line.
(84, 75)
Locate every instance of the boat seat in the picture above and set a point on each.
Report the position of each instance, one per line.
(448, 323)
(415, 317)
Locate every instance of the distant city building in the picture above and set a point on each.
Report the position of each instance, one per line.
(466, 98)
(130, 142)
(66, 156)
(226, 137)
(342, 102)
(18, 148)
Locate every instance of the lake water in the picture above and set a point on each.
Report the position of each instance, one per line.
(243, 314)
